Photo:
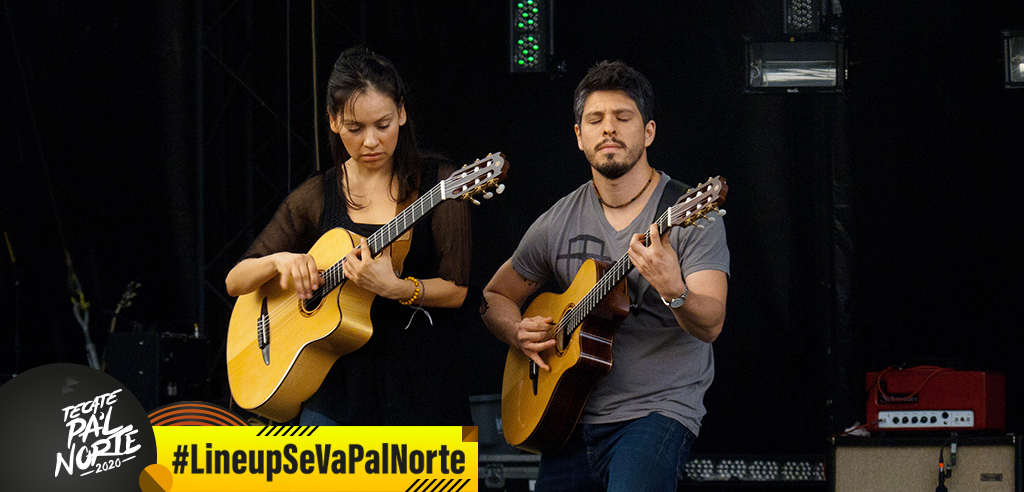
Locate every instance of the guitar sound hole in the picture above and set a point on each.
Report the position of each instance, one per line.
(309, 307)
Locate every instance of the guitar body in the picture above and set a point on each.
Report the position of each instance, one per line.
(304, 343)
(280, 348)
(539, 413)
(539, 410)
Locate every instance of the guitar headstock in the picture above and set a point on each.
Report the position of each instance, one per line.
(697, 203)
(126, 298)
(476, 179)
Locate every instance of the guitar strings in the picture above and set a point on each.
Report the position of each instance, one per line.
(288, 304)
(621, 268)
(375, 239)
(574, 319)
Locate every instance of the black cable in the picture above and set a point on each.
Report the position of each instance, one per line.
(288, 88)
(81, 306)
(943, 473)
(35, 126)
(316, 100)
(16, 298)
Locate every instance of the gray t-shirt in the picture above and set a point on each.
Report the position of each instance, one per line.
(656, 365)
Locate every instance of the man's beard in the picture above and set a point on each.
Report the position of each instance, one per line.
(609, 167)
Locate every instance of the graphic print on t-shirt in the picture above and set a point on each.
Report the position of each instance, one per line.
(580, 249)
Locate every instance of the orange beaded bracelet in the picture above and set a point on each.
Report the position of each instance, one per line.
(416, 294)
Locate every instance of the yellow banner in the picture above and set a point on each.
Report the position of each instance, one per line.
(311, 458)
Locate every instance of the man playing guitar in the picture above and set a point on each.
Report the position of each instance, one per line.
(640, 419)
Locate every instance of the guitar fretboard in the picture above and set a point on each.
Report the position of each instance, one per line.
(691, 207)
(611, 278)
(387, 234)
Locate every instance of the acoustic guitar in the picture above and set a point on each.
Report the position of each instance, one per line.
(540, 409)
(280, 347)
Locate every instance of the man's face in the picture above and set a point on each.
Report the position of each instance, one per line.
(612, 133)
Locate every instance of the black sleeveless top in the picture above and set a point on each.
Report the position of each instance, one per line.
(402, 376)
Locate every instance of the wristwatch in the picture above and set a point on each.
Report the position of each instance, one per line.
(678, 302)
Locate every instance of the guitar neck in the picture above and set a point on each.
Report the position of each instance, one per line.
(404, 221)
(388, 233)
(692, 206)
(608, 281)
(465, 183)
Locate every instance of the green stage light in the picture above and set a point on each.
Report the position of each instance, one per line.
(530, 35)
(802, 16)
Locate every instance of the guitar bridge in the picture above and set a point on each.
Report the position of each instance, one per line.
(263, 332)
(534, 375)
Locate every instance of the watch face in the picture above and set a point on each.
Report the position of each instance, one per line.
(674, 303)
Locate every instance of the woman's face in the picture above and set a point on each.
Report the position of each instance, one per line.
(368, 128)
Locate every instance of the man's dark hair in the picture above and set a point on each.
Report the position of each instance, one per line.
(615, 76)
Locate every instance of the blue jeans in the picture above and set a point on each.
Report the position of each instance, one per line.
(646, 454)
(312, 417)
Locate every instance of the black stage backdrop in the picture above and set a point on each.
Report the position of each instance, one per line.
(150, 142)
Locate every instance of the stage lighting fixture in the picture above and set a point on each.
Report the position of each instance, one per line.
(1013, 47)
(530, 40)
(780, 469)
(810, 63)
(802, 16)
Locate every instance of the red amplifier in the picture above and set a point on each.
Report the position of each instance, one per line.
(935, 398)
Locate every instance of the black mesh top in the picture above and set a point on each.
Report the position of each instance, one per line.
(402, 376)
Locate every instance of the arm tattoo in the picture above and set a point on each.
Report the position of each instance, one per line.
(527, 281)
(483, 304)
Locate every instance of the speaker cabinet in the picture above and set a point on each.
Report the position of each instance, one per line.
(898, 464)
(159, 368)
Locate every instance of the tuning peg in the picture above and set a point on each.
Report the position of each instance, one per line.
(488, 195)
(700, 226)
(721, 212)
(474, 201)
(710, 219)
(500, 188)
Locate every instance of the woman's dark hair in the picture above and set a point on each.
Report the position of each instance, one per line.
(357, 71)
(615, 76)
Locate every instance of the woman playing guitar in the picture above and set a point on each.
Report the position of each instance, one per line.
(407, 373)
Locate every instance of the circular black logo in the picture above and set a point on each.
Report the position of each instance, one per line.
(71, 427)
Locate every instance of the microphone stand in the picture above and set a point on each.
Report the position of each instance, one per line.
(81, 310)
